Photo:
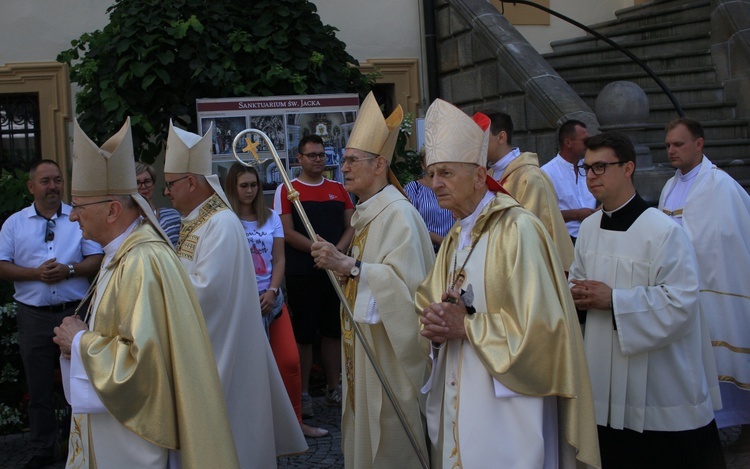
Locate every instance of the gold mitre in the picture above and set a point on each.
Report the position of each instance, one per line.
(374, 134)
(190, 153)
(451, 136)
(109, 170)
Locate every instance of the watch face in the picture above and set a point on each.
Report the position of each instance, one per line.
(354, 272)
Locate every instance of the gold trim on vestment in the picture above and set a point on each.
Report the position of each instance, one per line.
(733, 348)
(730, 379)
(676, 213)
(347, 329)
(736, 295)
(188, 242)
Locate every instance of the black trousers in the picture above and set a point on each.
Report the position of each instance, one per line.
(689, 449)
(40, 357)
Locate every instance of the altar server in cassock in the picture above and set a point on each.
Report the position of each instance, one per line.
(214, 251)
(652, 370)
(139, 374)
(509, 384)
(390, 255)
(715, 212)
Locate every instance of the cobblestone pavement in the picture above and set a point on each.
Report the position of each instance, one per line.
(324, 452)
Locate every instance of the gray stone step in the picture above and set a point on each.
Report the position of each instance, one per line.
(651, 26)
(734, 131)
(683, 93)
(702, 112)
(646, 8)
(685, 76)
(697, 40)
(580, 66)
(676, 12)
(658, 27)
(724, 151)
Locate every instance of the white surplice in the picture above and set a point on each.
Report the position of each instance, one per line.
(655, 371)
(716, 217)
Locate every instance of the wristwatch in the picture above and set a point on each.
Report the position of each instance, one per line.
(354, 272)
(274, 290)
(71, 271)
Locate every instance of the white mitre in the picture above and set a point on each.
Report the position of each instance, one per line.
(190, 153)
(451, 136)
(372, 132)
(109, 170)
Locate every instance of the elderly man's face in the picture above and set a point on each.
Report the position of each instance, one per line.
(177, 188)
(358, 169)
(454, 185)
(91, 215)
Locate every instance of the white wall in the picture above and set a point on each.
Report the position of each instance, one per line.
(375, 29)
(38, 30)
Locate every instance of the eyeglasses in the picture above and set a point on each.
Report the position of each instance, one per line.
(77, 206)
(351, 160)
(145, 183)
(168, 185)
(315, 156)
(49, 235)
(597, 168)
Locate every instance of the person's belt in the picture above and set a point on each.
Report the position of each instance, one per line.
(52, 308)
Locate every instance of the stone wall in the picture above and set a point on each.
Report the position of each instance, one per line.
(484, 62)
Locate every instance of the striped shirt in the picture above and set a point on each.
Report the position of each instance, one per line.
(438, 220)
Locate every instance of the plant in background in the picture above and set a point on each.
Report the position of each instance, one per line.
(407, 164)
(14, 195)
(12, 385)
(154, 59)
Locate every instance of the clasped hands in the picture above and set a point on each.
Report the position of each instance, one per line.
(52, 271)
(66, 332)
(444, 320)
(591, 294)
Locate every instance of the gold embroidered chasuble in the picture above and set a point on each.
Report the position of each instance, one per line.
(145, 354)
(529, 340)
(394, 246)
(214, 251)
(533, 189)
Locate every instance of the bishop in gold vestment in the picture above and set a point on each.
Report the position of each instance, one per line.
(509, 385)
(390, 254)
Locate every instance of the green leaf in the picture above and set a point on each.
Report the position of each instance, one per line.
(147, 81)
(139, 69)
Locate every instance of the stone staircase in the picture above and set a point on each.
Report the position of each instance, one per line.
(674, 38)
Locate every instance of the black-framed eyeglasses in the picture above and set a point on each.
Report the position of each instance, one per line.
(597, 168)
(75, 206)
(49, 235)
(315, 156)
(145, 183)
(168, 185)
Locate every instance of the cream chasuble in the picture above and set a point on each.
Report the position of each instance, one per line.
(534, 190)
(716, 217)
(140, 358)
(394, 246)
(215, 253)
(656, 370)
(516, 392)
